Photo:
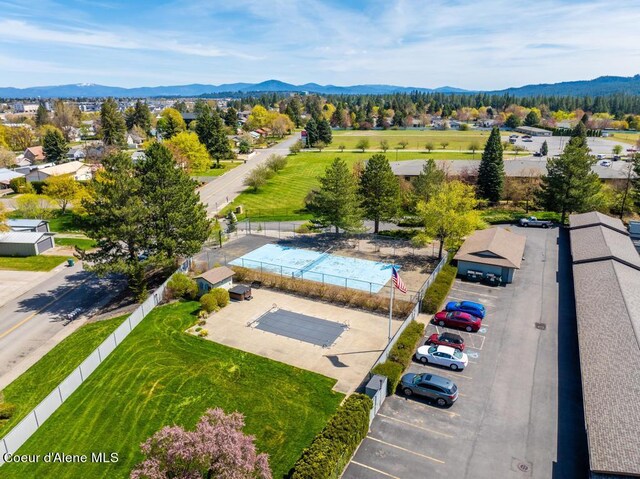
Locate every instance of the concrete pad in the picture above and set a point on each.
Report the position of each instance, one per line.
(15, 283)
(348, 360)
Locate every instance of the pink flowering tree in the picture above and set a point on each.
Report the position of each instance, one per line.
(216, 449)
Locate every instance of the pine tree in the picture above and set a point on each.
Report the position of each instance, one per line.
(532, 119)
(212, 135)
(54, 145)
(570, 185)
(336, 203)
(113, 128)
(428, 181)
(380, 191)
(231, 118)
(42, 115)
(324, 132)
(312, 133)
(544, 149)
(491, 171)
(139, 116)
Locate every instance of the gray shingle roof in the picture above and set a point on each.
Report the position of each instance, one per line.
(596, 218)
(494, 246)
(608, 316)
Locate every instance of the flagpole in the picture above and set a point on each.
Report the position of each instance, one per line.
(393, 286)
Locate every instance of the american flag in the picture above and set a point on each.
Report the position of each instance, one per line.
(397, 281)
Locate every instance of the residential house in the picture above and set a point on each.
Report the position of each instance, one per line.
(79, 170)
(6, 175)
(134, 140)
(28, 225)
(76, 153)
(34, 154)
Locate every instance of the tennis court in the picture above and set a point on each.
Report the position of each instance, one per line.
(301, 327)
(355, 273)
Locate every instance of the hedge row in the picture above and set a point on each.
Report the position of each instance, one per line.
(438, 291)
(400, 355)
(325, 292)
(333, 447)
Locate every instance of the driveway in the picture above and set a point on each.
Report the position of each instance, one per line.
(519, 414)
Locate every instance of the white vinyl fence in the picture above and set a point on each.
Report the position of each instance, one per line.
(11, 442)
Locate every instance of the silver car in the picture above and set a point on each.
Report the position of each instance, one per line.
(442, 356)
(441, 390)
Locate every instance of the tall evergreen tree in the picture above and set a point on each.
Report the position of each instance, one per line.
(312, 133)
(569, 185)
(113, 128)
(513, 121)
(428, 181)
(54, 145)
(491, 171)
(324, 132)
(380, 191)
(544, 149)
(532, 119)
(212, 135)
(336, 203)
(231, 118)
(176, 218)
(42, 115)
(139, 116)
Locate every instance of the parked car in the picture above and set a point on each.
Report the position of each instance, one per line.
(446, 339)
(537, 153)
(458, 319)
(442, 356)
(533, 221)
(605, 163)
(470, 307)
(441, 390)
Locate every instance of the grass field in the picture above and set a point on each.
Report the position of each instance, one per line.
(417, 139)
(40, 379)
(159, 376)
(58, 223)
(227, 166)
(31, 263)
(84, 243)
(629, 138)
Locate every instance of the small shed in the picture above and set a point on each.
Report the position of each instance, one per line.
(23, 243)
(240, 292)
(220, 277)
(33, 226)
(492, 251)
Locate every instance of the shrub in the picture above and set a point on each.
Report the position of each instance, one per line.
(20, 185)
(221, 295)
(202, 322)
(209, 303)
(276, 163)
(402, 351)
(393, 371)
(438, 291)
(6, 410)
(333, 447)
(203, 333)
(182, 286)
(202, 315)
(37, 186)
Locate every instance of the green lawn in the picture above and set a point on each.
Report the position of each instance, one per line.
(227, 166)
(159, 376)
(84, 243)
(457, 140)
(40, 379)
(510, 215)
(629, 138)
(59, 223)
(31, 263)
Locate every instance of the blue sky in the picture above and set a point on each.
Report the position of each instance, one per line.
(488, 44)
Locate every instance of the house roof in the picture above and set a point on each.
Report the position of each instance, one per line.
(63, 168)
(36, 151)
(7, 175)
(22, 237)
(595, 218)
(608, 306)
(215, 275)
(25, 223)
(493, 246)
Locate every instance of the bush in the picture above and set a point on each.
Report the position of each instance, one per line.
(20, 185)
(209, 303)
(221, 295)
(438, 291)
(37, 186)
(402, 351)
(393, 372)
(333, 447)
(203, 333)
(202, 315)
(6, 410)
(182, 286)
(276, 163)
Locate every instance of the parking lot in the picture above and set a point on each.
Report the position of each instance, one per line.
(519, 414)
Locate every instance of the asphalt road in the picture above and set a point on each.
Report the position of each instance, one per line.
(33, 319)
(223, 190)
(519, 414)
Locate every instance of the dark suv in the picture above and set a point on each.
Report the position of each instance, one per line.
(441, 390)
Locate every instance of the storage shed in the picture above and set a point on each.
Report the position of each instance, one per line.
(23, 243)
(220, 277)
(494, 250)
(240, 292)
(34, 226)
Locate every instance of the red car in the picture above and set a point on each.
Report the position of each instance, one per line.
(446, 339)
(458, 319)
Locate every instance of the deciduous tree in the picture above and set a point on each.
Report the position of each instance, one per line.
(380, 191)
(63, 189)
(170, 123)
(362, 144)
(189, 153)
(7, 158)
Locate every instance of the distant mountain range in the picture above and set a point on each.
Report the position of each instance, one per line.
(606, 85)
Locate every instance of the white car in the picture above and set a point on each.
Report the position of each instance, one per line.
(605, 163)
(442, 356)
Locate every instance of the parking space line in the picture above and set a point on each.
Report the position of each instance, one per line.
(413, 425)
(373, 469)
(474, 293)
(406, 450)
(435, 409)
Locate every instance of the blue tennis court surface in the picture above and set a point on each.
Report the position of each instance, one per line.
(354, 273)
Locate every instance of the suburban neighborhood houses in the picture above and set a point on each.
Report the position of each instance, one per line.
(361, 272)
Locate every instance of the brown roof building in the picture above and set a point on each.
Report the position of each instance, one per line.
(220, 277)
(606, 276)
(34, 154)
(494, 250)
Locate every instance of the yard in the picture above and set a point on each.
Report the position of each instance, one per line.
(417, 139)
(226, 166)
(160, 376)
(31, 263)
(83, 243)
(39, 380)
